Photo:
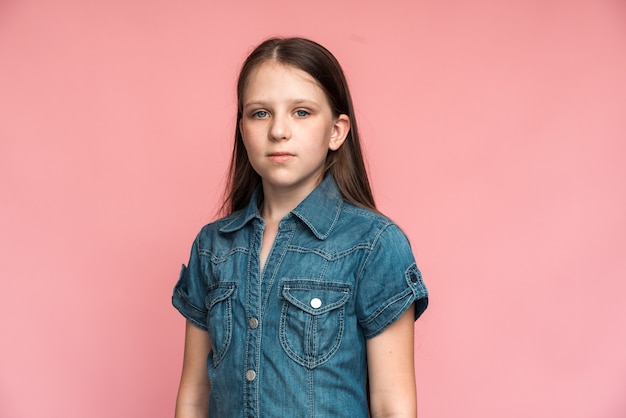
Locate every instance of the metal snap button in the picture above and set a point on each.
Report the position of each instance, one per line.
(253, 323)
(250, 375)
(316, 303)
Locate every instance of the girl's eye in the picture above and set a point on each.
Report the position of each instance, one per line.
(302, 113)
(260, 114)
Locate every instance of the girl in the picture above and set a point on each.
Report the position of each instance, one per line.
(301, 301)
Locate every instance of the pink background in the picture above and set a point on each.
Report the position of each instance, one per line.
(496, 137)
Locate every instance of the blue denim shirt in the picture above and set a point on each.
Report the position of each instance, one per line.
(289, 340)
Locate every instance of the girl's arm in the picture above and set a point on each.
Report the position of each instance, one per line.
(391, 370)
(193, 392)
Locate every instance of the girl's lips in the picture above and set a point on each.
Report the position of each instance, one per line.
(280, 157)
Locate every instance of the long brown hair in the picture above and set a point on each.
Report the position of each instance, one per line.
(346, 164)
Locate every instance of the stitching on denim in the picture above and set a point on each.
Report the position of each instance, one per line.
(251, 390)
(305, 283)
(310, 360)
(331, 256)
(180, 302)
(317, 233)
(226, 319)
(371, 251)
(405, 296)
(309, 341)
(220, 259)
(180, 296)
(230, 220)
(324, 269)
(302, 305)
(389, 302)
(311, 396)
(358, 211)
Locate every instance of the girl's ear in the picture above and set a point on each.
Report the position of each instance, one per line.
(341, 128)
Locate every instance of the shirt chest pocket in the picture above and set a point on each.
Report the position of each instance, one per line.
(312, 319)
(220, 318)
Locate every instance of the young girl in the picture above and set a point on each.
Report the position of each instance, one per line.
(301, 301)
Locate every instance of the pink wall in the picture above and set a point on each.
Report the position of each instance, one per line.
(496, 135)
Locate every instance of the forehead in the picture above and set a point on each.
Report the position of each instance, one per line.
(272, 79)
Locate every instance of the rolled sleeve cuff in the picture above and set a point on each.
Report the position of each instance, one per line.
(196, 315)
(394, 307)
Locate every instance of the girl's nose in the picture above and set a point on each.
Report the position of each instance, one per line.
(279, 130)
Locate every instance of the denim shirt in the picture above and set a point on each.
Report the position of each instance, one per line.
(288, 340)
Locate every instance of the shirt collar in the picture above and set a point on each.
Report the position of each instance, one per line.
(319, 211)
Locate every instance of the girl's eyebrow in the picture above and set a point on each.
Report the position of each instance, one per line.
(294, 102)
(254, 103)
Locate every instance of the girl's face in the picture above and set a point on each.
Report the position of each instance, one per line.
(288, 128)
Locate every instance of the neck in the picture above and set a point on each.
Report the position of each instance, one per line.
(278, 203)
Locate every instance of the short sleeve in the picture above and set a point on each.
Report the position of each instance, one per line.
(389, 283)
(191, 290)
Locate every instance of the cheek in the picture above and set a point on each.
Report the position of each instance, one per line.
(253, 148)
(247, 139)
(249, 147)
(250, 132)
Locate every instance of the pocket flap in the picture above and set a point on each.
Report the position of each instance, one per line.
(314, 296)
(219, 293)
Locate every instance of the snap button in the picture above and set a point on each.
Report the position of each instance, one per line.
(316, 303)
(253, 323)
(250, 375)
